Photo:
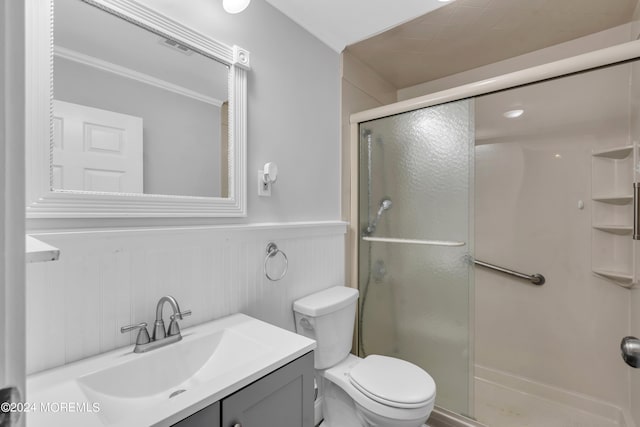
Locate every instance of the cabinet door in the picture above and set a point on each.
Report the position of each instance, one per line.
(283, 398)
(207, 417)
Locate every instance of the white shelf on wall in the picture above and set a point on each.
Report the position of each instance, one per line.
(615, 229)
(39, 251)
(614, 200)
(612, 246)
(617, 153)
(622, 278)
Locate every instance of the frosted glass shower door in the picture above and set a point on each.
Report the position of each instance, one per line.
(416, 172)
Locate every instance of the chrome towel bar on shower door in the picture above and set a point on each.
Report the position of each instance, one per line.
(413, 241)
(536, 279)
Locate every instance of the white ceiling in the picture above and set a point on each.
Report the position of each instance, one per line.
(339, 23)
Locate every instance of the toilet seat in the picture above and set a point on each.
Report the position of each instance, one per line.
(371, 403)
(393, 382)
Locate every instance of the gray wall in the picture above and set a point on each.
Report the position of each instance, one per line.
(293, 113)
(181, 155)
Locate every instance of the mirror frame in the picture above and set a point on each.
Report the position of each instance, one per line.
(44, 202)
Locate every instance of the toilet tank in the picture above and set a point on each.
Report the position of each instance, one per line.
(328, 317)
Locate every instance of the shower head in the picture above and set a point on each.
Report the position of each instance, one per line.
(385, 205)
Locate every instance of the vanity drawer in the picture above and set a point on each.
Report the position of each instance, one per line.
(207, 417)
(283, 398)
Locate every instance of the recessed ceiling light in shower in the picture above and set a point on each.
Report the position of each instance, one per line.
(513, 114)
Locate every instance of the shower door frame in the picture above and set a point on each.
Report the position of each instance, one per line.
(613, 55)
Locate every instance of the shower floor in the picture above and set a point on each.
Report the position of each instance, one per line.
(500, 406)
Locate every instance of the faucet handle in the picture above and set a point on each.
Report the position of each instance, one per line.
(181, 315)
(143, 334)
(174, 328)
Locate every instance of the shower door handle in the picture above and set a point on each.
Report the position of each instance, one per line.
(636, 211)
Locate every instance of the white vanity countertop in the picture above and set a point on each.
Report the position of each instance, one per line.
(239, 350)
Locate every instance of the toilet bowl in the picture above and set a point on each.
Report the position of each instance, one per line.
(384, 391)
(375, 391)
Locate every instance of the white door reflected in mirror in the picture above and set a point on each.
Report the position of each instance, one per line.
(104, 62)
(96, 150)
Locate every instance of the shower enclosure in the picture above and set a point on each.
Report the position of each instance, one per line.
(546, 191)
(416, 173)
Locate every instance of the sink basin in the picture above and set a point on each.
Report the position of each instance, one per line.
(150, 378)
(165, 385)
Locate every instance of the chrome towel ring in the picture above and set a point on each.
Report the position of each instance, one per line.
(272, 251)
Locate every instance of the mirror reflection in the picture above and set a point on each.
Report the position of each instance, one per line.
(135, 112)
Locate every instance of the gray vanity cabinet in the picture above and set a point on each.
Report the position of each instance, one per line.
(207, 417)
(283, 398)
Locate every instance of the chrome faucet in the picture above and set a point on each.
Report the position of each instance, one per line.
(161, 337)
(159, 332)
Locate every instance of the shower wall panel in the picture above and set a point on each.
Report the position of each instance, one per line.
(533, 174)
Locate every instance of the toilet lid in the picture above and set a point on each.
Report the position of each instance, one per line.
(393, 382)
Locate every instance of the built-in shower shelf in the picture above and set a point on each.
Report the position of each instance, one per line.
(612, 246)
(617, 153)
(614, 200)
(615, 229)
(622, 278)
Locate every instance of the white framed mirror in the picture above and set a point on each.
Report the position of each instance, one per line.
(131, 114)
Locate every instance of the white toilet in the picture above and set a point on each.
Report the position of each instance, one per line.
(375, 391)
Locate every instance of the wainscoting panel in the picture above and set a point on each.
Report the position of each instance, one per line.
(108, 279)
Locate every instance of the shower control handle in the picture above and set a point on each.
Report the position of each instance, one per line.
(630, 347)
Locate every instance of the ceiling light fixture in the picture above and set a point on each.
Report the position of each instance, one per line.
(235, 6)
(513, 114)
